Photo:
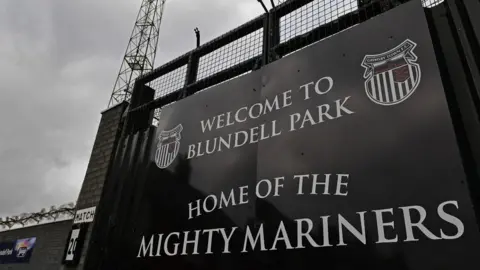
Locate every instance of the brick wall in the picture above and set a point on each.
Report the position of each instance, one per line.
(48, 251)
(102, 153)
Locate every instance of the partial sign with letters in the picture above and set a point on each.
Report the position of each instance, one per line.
(74, 245)
(84, 215)
(19, 251)
(342, 155)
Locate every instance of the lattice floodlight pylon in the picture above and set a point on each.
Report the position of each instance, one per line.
(141, 50)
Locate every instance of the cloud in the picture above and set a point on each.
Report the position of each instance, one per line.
(59, 62)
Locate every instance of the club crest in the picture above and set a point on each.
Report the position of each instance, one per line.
(168, 146)
(393, 76)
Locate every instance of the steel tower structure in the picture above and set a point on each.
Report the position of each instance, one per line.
(141, 50)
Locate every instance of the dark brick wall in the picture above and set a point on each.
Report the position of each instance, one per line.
(48, 251)
(102, 153)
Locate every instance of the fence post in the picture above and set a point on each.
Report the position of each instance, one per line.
(471, 10)
(274, 35)
(192, 71)
(467, 42)
(266, 39)
(139, 119)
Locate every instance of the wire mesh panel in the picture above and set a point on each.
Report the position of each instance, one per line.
(231, 54)
(313, 15)
(322, 12)
(157, 111)
(170, 82)
(320, 17)
(167, 84)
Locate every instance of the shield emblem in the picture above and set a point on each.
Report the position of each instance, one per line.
(392, 76)
(168, 146)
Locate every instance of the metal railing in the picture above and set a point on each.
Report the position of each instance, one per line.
(286, 28)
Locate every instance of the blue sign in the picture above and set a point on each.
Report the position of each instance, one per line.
(18, 251)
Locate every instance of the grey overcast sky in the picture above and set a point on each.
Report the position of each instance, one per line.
(59, 62)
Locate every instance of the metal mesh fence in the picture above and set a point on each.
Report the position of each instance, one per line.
(167, 84)
(157, 111)
(231, 54)
(321, 12)
(313, 15)
(295, 23)
(170, 82)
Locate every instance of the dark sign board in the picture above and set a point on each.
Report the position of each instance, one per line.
(74, 245)
(18, 251)
(340, 156)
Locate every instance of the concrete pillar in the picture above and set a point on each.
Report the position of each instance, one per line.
(103, 151)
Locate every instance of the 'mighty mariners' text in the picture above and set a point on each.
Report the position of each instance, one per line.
(391, 225)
